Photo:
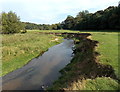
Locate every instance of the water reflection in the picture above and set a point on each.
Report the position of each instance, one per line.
(40, 71)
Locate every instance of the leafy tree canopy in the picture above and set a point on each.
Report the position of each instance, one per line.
(11, 23)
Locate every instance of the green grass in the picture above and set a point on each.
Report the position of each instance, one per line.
(108, 48)
(19, 49)
(54, 31)
(101, 83)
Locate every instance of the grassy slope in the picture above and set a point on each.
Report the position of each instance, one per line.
(18, 49)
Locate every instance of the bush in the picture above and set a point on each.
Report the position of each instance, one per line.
(11, 23)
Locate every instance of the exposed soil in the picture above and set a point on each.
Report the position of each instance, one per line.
(90, 67)
(85, 64)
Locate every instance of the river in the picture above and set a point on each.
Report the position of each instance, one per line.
(42, 71)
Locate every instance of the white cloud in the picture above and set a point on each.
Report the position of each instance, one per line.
(50, 11)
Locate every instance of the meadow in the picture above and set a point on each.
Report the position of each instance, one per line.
(19, 49)
(54, 31)
(108, 49)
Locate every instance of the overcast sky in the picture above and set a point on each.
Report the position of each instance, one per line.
(52, 11)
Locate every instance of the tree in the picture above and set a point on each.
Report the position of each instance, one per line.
(81, 20)
(54, 26)
(108, 19)
(11, 23)
(68, 23)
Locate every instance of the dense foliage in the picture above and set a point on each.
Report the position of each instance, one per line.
(108, 19)
(32, 26)
(11, 23)
(101, 20)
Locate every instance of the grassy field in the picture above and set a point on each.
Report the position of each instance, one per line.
(108, 49)
(100, 83)
(54, 31)
(19, 49)
(108, 46)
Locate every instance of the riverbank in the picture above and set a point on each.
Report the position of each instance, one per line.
(94, 66)
(40, 72)
(19, 49)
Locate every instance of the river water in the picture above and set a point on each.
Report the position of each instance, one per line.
(42, 71)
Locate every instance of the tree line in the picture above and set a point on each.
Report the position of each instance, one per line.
(108, 19)
(32, 26)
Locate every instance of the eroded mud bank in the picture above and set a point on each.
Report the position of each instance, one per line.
(84, 65)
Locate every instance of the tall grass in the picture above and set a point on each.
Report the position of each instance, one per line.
(18, 49)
